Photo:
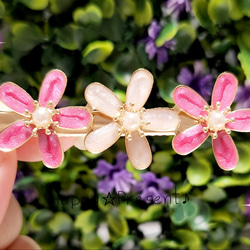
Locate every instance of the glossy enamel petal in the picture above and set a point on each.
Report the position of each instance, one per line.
(102, 138)
(224, 90)
(102, 99)
(242, 120)
(14, 136)
(189, 101)
(139, 88)
(73, 118)
(160, 119)
(16, 98)
(139, 152)
(50, 149)
(52, 88)
(225, 151)
(189, 140)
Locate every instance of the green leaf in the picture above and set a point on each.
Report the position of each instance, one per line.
(171, 244)
(161, 162)
(185, 37)
(35, 4)
(91, 14)
(199, 8)
(2, 9)
(143, 14)
(218, 11)
(117, 224)
(68, 41)
(229, 181)
(199, 172)
(24, 182)
(236, 10)
(245, 240)
(49, 177)
(166, 34)
(38, 218)
(153, 212)
(107, 7)
(86, 221)
(149, 244)
(183, 212)
(59, 6)
(26, 36)
(220, 215)
(129, 211)
(244, 6)
(214, 194)
(91, 241)
(126, 65)
(60, 223)
(243, 165)
(188, 238)
(136, 173)
(97, 51)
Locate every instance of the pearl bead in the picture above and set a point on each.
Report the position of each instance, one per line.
(216, 120)
(131, 121)
(41, 117)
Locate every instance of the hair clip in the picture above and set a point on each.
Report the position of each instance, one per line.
(216, 120)
(41, 119)
(130, 119)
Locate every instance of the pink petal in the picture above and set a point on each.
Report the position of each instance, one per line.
(139, 88)
(225, 151)
(16, 98)
(242, 120)
(73, 118)
(189, 101)
(189, 140)
(14, 136)
(50, 149)
(102, 99)
(224, 90)
(139, 152)
(8, 167)
(52, 88)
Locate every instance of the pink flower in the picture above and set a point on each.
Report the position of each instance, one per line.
(40, 119)
(216, 120)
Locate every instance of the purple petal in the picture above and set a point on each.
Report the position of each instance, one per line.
(121, 160)
(103, 168)
(105, 186)
(162, 55)
(154, 29)
(151, 49)
(165, 183)
(185, 76)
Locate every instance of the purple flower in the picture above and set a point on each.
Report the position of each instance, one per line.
(242, 98)
(29, 193)
(151, 47)
(116, 176)
(176, 7)
(200, 81)
(153, 186)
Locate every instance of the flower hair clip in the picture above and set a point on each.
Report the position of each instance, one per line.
(105, 119)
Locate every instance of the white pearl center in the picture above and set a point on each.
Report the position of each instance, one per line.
(216, 120)
(131, 121)
(41, 117)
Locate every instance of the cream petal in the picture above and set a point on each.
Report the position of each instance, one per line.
(102, 138)
(139, 152)
(139, 88)
(102, 99)
(161, 119)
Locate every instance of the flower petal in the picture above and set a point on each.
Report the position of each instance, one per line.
(242, 120)
(160, 119)
(102, 99)
(73, 118)
(224, 90)
(52, 88)
(189, 140)
(225, 151)
(50, 149)
(139, 88)
(189, 101)
(139, 152)
(16, 98)
(8, 167)
(102, 138)
(14, 136)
